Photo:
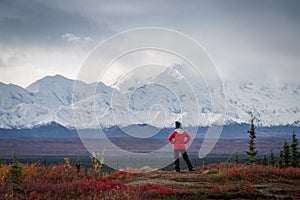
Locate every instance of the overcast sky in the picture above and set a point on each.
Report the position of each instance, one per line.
(248, 40)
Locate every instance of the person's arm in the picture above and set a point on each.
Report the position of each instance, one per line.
(188, 138)
(172, 135)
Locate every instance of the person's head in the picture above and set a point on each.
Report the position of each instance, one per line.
(178, 124)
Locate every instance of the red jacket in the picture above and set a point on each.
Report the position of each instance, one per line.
(179, 138)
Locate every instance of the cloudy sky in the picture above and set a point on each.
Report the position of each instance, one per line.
(255, 41)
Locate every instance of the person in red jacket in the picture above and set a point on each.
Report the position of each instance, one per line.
(179, 138)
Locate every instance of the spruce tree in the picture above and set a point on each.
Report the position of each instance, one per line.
(251, 153)
(281, 159)
(15, 177)
(272, 160)
(265, 160)
(286, 156)
(294, 151)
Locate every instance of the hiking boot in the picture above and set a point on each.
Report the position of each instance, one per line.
(192, 169)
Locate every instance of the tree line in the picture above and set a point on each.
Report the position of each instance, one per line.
(289, 155)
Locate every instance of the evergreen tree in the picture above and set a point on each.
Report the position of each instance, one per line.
(294, 151)
(285, 155)
(251, 153)
(281, 159)
(15, 177)
(272, 159)
(265, 160)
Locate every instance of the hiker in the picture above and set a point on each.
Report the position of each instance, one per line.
(179, 138)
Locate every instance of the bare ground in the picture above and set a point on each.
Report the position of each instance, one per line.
(200, 184)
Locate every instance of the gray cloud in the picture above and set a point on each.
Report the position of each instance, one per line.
(76, 40)
(41, 23)
(1, 63)
(246, 39)
(13, 58)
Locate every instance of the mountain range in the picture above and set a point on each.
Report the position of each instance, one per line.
(156, 100)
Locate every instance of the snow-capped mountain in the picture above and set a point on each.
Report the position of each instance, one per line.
(13, 95)
(157, 99)
(271, 105)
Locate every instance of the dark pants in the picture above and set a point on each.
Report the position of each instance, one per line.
(185, 158)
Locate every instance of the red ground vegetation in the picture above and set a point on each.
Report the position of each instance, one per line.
(223, 180)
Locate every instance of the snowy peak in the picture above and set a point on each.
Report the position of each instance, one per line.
(270, 104)
(175, 71)
(57, 89)
(13, 95)
(49, 82)
(50, 99)
(137, 77)
(157, 99)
